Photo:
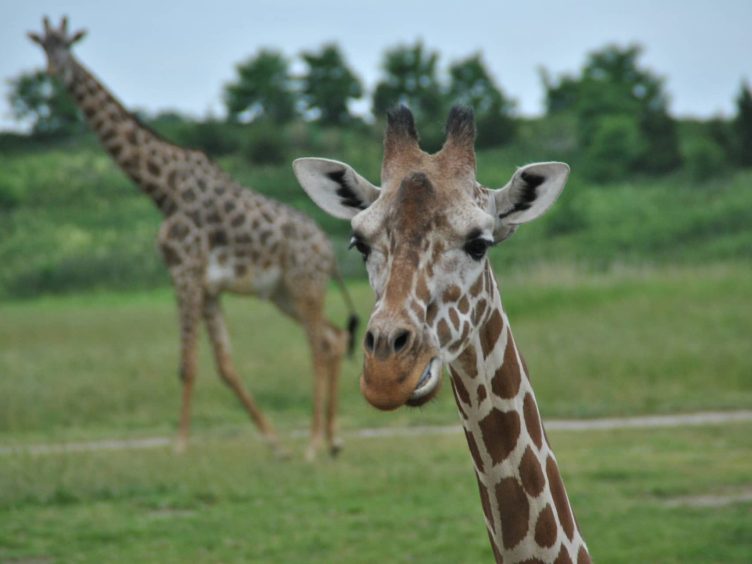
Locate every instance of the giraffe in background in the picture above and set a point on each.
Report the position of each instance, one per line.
(424, 235)
(218, 236)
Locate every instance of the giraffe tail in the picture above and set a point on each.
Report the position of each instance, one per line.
(353, 320)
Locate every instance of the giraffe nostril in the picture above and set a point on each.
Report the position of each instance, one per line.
(400, 340)
(369, 342)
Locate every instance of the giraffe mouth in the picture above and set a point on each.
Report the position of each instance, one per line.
(428, 382)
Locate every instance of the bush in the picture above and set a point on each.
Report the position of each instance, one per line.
(704, 158)
(212, 136)
(265, 144)
(11, 192)
(614, 149)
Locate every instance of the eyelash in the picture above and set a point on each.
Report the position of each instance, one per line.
(360, 246)
(477, 248)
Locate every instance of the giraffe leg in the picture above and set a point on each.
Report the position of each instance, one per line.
(219, 337)
(189, 303)
(327, 348)
(328, 345)
(319, 392)
(336, 351)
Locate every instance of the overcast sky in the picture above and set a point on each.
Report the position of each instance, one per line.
(157, 55)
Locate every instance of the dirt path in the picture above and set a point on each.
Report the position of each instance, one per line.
(651, 421)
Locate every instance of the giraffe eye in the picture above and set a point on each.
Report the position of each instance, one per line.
(477, 248)
(360, 246)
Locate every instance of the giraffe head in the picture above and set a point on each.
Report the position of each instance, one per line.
(424, 234)
(56, 44)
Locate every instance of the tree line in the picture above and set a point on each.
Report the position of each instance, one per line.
(616, 107)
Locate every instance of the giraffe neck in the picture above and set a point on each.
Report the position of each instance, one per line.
(527, 512)
(152, 163)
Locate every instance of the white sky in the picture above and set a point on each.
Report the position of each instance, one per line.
(158, 55)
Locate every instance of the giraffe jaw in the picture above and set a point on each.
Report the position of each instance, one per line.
(428, 383)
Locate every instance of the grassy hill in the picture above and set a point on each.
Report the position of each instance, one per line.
(71, 221)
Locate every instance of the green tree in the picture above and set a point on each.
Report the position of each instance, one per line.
(743, 125)
(40, 100)
(612, 83)
(472, 85)
(561, 94)
(263, 89)
(328, 84)
(410, 79)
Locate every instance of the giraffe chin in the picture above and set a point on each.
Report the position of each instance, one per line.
(390, 384)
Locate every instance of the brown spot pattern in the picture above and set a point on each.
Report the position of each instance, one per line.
(422, 290)
(531, 473)
(497, 555)
(532, 420)
(480, 310)
(153, 168)
(171, 257)
(582, 556)
(455, 318)
(506, 381)
(485, 502)
(490, 332)
(477, 286)
(560, 497)
(475, 453)
(445, 335)
(500, 433)
(431, 312)
(546, 528)
(514, 511)
(217, 239)
(464, 305)
(563, 556)
(482, 393)
(451, 294)
(459, 388)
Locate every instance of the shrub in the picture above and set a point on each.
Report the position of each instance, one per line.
(265, 144)
(212, 136)
(614, 149)
(704, 158)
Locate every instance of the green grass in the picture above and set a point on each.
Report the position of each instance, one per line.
(627, 341)
(620, 343)
(386, 500)
(71, 221)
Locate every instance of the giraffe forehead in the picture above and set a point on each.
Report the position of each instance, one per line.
(422, 207)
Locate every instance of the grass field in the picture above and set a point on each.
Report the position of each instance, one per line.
(71, 221)
(623, 342)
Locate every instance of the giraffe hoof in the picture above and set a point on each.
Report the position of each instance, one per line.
(335, 448)
(181, 445)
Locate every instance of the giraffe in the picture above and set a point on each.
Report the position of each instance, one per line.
(424, 236)
(218, 236)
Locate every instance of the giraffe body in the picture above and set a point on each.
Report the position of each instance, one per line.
(424, 235)
(217, 236)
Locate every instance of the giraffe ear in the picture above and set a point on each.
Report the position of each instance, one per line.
(335, 186)
(531, 191)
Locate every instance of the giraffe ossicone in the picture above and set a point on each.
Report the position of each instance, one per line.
(218, 236)
(424, 234)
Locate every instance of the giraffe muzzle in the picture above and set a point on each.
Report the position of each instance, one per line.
(391, 383)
